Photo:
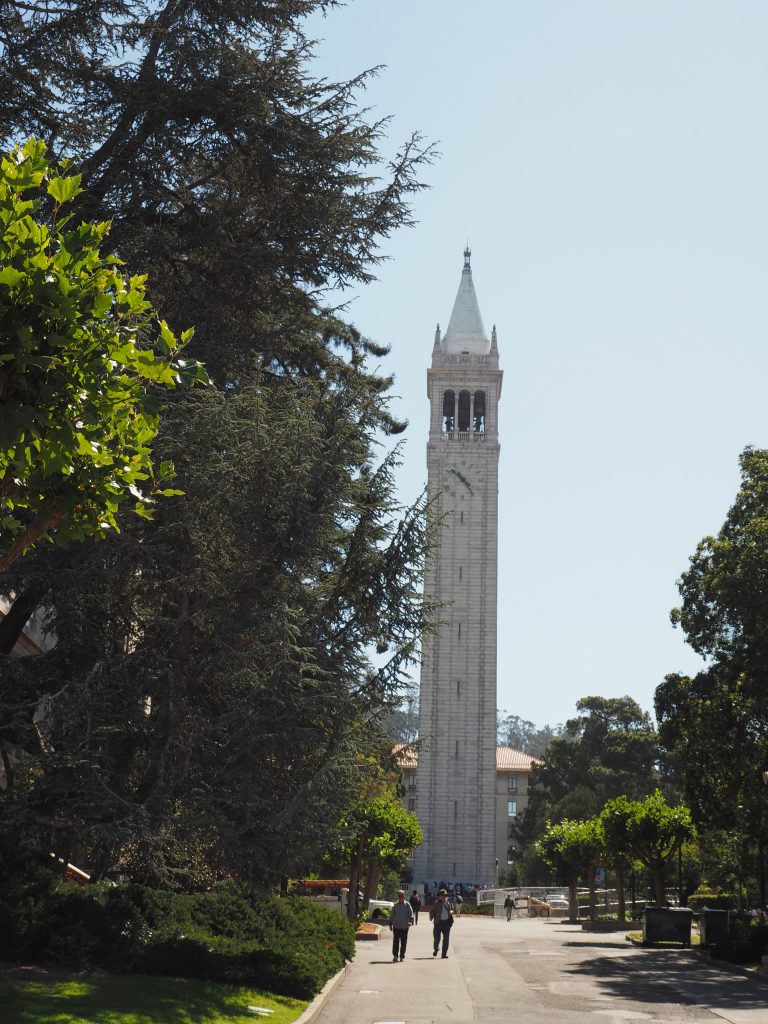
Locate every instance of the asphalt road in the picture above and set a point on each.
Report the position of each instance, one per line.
(531, 971)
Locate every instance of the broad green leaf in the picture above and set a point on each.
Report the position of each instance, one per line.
(64, 189)
(10, 276)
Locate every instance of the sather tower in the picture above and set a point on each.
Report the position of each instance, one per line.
(457, 714)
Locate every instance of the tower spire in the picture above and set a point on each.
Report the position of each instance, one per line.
(465, 331)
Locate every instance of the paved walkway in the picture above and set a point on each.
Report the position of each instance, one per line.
(536, 972)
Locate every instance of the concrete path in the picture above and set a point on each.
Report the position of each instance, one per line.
(535, 972)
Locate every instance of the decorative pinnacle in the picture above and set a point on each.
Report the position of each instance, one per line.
(467, 257)
(437, 336)
(493, 339)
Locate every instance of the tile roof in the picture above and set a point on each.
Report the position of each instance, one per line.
(507, 759)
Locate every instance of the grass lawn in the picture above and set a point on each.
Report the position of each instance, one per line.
(638, 937)
(135, 999)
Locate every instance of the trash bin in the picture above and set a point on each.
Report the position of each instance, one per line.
(713, 926)
(667, 924)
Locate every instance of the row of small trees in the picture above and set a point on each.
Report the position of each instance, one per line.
(648, 831)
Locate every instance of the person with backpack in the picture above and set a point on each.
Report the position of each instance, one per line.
(509, 906)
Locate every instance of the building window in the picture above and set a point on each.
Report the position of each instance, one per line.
(411, 780)
(511, 808)
(412, 803)
(478, 413)
(511, 783)
(510, 830)
(449, 411)
(457, 748)
(464, 406)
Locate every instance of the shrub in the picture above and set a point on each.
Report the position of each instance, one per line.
(484, 910)
(712, 900)
(746, 943)
(288, 946)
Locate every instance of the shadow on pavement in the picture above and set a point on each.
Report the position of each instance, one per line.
(666, 976)
(596, 945)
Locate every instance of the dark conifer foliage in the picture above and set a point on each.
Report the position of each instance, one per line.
(212, 704)
(243, 185)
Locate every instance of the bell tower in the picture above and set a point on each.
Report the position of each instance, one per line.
(457, 708)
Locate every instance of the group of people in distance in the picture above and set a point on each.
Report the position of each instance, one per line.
(405, 914)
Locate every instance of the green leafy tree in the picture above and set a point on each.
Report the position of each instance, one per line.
(714, 726)
(213, 698)
(246, 189)
(724, 600)
(573, 849)
(80, 347)
(649, 831)
(383, 834)
(617, 854)
(610, 748)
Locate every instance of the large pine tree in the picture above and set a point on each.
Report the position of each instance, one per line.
(212, 699)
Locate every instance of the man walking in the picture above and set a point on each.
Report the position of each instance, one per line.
(415, 902)
(441, 917)
(509, 906)
(400, 920)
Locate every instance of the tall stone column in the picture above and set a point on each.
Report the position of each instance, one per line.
(457, 716)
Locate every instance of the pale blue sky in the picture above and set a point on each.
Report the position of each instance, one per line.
(608, 162)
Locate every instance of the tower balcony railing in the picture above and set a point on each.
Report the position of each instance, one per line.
(463, 435)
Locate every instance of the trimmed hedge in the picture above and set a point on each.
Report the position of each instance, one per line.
(746, 944)
(713, 900)
(288, 946)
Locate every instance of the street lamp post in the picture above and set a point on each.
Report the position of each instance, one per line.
(761, 849)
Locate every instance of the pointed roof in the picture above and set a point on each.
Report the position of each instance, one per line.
(465, 330)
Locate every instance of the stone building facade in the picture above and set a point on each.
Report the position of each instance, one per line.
(457, 706)
(513, 771)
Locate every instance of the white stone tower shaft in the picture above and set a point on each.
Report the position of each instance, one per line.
(457, 714)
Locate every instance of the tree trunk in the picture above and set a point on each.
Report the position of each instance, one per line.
(12, 626)
(7, 770)
(592, 896)
(371, 883)
(354, 882)
(45, 522)
(658, 885)
(621, 898)
(155, 782)
(573, 903)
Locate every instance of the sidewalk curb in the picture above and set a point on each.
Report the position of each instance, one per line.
(322, 997)
(723, 965)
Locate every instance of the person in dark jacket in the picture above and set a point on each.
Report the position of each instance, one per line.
(442, 919)
(415, 902)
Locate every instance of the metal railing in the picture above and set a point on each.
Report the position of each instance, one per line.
(606, 899)
(463, 435)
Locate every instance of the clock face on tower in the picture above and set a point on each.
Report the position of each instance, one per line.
(463, 479)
